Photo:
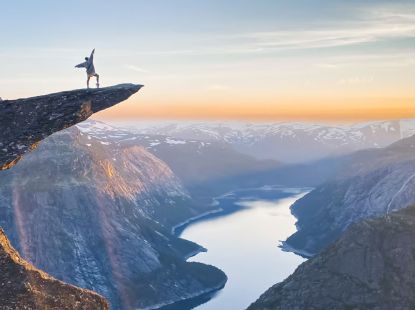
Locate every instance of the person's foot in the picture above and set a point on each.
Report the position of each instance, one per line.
(97, 85)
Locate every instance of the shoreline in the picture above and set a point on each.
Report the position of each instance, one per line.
(193, 219)
(179, 228)
(288, 248)
(208, 291)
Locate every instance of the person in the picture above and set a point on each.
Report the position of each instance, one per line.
(90, 69)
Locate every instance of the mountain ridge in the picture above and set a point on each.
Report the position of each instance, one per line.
(371, 266)
(371, 183)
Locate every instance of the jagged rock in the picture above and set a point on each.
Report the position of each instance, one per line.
(22, 286)
(25, 122)
(372, 266)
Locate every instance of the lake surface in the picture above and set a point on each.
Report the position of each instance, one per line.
(243, 241)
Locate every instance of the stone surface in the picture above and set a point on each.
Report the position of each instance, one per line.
(99, 215)
(372, 266)
(371, 184)
(22, 286)
(25, 122)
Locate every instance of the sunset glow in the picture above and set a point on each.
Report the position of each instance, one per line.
(332, 60)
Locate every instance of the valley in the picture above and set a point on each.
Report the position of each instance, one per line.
(132, 213)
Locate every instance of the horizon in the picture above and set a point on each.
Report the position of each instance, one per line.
(239, 60)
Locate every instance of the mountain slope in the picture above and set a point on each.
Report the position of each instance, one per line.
(25, 287)
(372, 266)
(100, 217)
(205, 168)
(25, 122)
(371, 183)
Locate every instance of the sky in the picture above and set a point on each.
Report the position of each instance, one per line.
(257, 60)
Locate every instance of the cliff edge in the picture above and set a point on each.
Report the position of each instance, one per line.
(25, 122)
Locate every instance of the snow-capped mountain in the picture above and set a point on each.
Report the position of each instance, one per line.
(288, 142)
(197, 163)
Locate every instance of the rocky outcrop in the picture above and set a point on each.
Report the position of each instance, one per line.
(372, 266)
(371, 184)
(22, 286)
(25, 122)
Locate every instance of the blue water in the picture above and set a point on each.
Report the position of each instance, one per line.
(243, 241)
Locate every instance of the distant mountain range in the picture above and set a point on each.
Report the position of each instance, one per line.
(206, 168)
(288, 142)
(100, 216)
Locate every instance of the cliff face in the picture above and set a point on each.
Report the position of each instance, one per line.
(372, 266)
(25, 122)
(98, 215)
(25, 287)
(371, 184)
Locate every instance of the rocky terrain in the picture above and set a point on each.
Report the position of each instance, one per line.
(372, 266)
(23, 286)
(289, 142)
(100, 217)
(25, 122)
(371, 183)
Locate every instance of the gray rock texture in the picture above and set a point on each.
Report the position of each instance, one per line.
(25, 122)
(372, 266)
(23, 286)
(370, 184)
(99, 215)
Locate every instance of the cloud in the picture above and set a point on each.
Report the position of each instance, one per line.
(136, 69)
(356, 80)
(368, 26)
(378, 25)
(218, 87)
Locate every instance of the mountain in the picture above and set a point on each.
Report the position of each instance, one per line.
(25, 122)
(370, 184)
(205, 168)
(23, 286)
(100, 217)
(289, 142)
(372, 266)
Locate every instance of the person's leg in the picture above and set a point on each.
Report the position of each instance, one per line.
(97, 76)
(87, 81)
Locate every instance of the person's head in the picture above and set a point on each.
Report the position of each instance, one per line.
(86, 58)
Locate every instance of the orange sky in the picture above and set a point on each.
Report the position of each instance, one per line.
(261, 60)
(326, 109)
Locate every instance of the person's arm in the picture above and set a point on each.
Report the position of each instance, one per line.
(82, 65)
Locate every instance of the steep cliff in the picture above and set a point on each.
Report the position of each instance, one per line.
(25, 122)
(372, 266)
(371, 183)
(25, 287)
(99, 216)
